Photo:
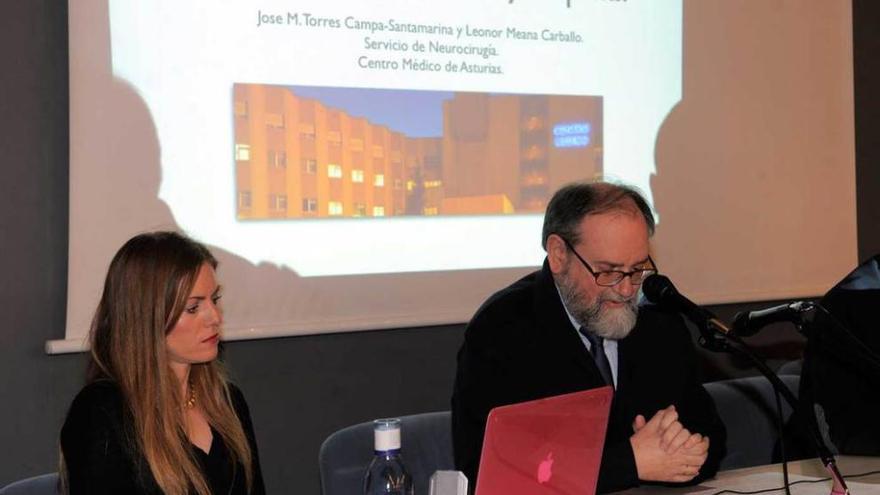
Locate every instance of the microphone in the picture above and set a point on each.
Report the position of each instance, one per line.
(749, 323)
(659, 290)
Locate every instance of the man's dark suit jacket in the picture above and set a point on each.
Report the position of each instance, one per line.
(521, 346)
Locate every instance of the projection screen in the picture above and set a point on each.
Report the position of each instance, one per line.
(366, 165)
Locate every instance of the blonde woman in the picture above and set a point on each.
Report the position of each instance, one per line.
(157, 414)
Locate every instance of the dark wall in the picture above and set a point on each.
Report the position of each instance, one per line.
(300, 389)
(866, 80)
(33, 234)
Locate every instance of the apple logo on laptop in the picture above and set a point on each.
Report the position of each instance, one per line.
(545, 469)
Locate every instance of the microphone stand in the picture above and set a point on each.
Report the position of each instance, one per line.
(716, 336)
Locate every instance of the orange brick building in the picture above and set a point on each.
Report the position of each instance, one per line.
(298, 158)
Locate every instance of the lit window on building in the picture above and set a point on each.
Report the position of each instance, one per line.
(357, 175)
(278, 202)
(244, 200)
(430, 184)
(534, 179)
(334, 208)
(242, 152)
(378, 211)
(360, 210)
(429, 210)
(534, 152)
(334, 171)
(277, 159)
(379, 180)
(307, 132)
(534, 123)
(310, 205)
(310, 166)
(410, 185)
(275, 120)
(241, 108)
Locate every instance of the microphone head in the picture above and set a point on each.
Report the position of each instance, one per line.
(741, 326)
(658, 288)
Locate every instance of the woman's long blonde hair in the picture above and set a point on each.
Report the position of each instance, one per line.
(145, 292)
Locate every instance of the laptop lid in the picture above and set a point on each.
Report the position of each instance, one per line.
(546, 446)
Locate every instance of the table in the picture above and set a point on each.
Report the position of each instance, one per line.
(770, 476)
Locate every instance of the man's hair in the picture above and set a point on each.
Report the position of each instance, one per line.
(573, 202)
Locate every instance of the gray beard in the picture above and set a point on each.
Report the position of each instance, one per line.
(613, 324)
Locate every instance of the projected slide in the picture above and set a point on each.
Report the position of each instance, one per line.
(382, 164)
(408, 126)
(307, 152)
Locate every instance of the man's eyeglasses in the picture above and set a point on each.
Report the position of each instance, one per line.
(609, 278)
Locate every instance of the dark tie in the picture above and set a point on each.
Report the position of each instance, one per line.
(597, 349)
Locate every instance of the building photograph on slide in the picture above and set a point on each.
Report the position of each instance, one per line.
(316, 152)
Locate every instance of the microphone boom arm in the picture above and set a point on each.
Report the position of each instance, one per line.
(716, 336)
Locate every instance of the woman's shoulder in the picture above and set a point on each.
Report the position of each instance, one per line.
(99, 393)
(234, 390)
(99, 399)
(96, 415)
(240, 406)
(237, 397)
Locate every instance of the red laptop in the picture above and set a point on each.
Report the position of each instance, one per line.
(547, 446)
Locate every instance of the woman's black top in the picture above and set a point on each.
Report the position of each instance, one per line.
(101, 455)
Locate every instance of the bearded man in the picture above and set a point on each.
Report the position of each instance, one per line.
(578, 324)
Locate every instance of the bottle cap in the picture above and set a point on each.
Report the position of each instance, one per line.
(386, 434)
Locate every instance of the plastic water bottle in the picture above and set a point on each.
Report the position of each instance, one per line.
(386, 474)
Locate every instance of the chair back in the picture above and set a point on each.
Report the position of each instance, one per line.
(46, 484)
(747, 407)
(426, 446)
(791, 368)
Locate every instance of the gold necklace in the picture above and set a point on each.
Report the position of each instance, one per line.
(191, 400)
